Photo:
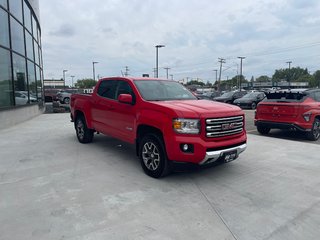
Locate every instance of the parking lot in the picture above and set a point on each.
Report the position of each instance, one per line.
(53, 187)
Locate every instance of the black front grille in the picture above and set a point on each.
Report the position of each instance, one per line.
(220, 127)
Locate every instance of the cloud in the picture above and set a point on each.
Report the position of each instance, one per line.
(120, 33)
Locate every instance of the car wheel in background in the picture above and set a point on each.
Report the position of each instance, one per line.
(152, 155)
(314, 134)
(66, 100)
(253, 105)
(84, 134)
(263, 130)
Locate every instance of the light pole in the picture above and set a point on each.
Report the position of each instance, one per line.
(72, 80)
(167, 69)
(94, 73)
(241, 58)
(289, 62)
(157, 53)
(64, 78)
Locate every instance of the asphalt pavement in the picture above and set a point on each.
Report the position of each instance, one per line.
(53, 187)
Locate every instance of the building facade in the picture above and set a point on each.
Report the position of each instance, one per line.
(21, 72)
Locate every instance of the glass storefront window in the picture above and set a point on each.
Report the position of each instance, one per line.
(36, 52)
(6, 93)
(27, 17)
(15, 7)
(29, 46)
(4, 26)
(32, 82)
(39, 84)
(34, 28)
(17, 36)
(20, 81)
(3, 3)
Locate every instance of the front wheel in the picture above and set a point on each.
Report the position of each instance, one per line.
(66, 100)
(152, 156)
(263, 130)
(84, 134)
(315, 130)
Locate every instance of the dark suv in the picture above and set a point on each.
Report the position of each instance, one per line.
(229, 97)
(296, 109)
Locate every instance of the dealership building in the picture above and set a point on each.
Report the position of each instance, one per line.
(21, 72)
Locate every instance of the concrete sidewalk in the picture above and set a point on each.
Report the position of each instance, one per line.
(53, 187)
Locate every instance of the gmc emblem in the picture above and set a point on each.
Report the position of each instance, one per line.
(227, 126)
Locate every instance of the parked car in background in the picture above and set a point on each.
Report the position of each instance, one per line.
(250, 100)
(21, 98)
(296, 109)
(229, 97)
(65, 96)
(50, 94)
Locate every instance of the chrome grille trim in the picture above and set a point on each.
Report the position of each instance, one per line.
(220, 127)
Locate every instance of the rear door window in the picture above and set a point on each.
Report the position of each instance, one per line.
(107, 89)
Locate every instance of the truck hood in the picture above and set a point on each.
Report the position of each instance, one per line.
(197, 108)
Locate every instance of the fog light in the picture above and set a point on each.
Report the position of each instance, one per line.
(186, 148)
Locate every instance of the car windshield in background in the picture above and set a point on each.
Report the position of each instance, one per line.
(251, 95)
(227, 94)
(285, 96)
(162, 90)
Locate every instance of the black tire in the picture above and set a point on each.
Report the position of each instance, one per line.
(153, 157)
(263, 130)
(84, 134)
(66, 100)
(315, 130)
(253, 105)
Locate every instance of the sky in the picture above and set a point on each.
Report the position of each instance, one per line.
(196, 33)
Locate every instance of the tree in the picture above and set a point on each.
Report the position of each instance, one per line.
(263, 78)
(291, 75)
(85, 83)
(316, 76)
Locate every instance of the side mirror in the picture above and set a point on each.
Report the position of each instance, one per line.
(125, 98)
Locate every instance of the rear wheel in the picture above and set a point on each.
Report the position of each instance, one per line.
(253, 105)
(152, 156)
(84, 134)
(315, 130)
(263, 130)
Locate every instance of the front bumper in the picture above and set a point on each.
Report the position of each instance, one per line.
(213, 156)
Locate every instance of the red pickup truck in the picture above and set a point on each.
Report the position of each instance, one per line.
(296, 109)
(165, 121)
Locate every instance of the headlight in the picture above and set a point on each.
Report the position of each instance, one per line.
(190, 126)
(307, 116)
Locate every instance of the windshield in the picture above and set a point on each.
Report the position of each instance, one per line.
(161, 90)
(285, 96)
(251, 95)
(227, 94)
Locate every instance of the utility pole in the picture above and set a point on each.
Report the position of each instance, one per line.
(216, 76)
(289, 62)
(93, 70)
(167, 69)
(126, 73)
(64, 78)
(241, 58)
(221, 61)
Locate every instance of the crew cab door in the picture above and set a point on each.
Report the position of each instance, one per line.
(110, 116)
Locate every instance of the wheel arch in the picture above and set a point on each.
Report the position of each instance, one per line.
(142, 130)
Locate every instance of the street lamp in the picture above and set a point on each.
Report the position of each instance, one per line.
(94, 74)
(289, 62)
(157, 67)
(64, 78)
(72, 81)
(241, 58)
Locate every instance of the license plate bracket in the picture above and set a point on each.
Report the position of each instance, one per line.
(230, 156)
